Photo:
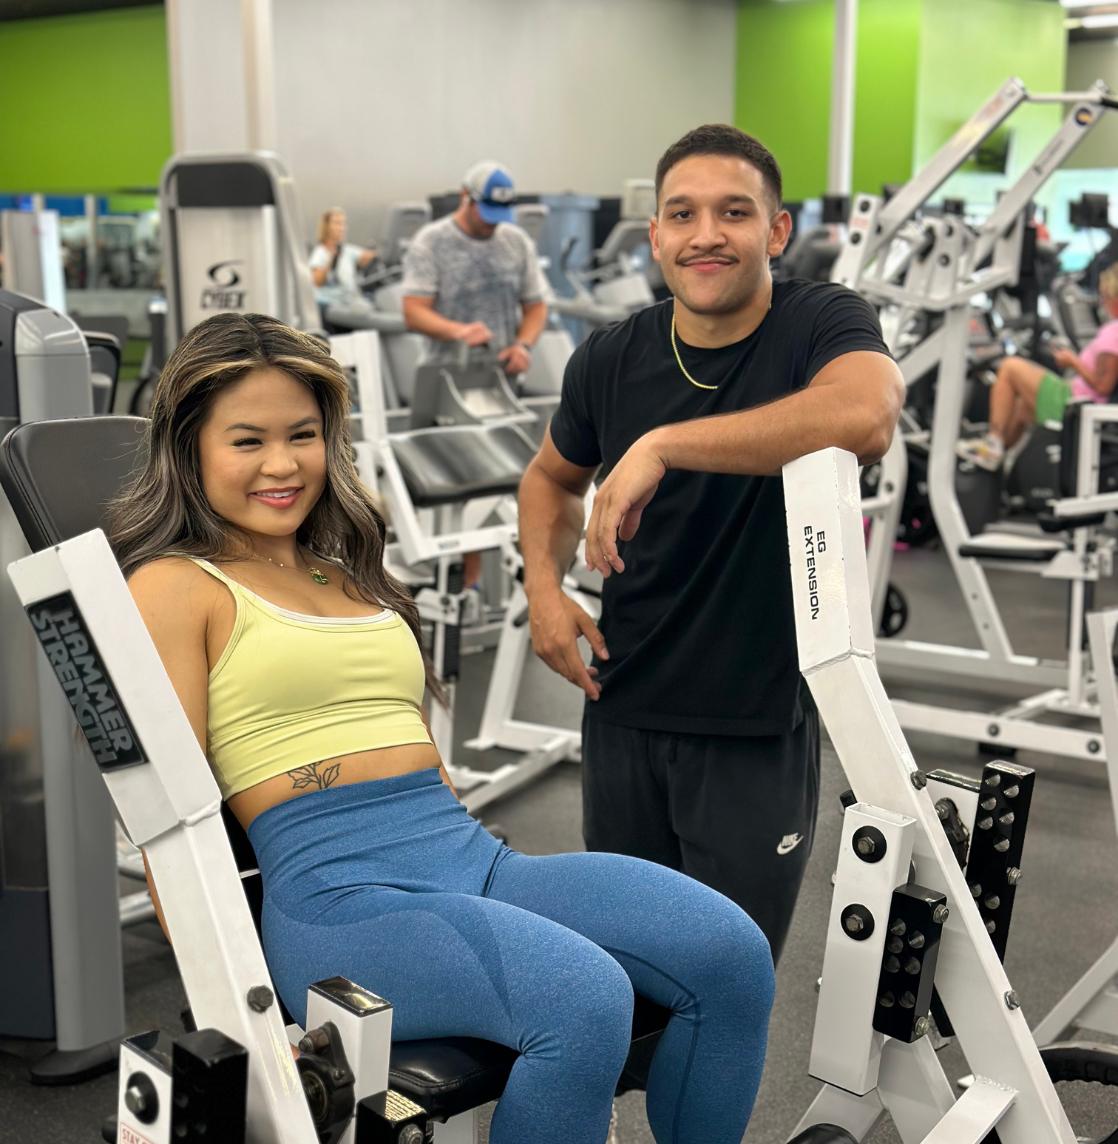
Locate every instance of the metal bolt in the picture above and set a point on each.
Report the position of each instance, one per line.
(993, 902)
(834, 878)
(1011, 1000)
(944, 260)
(991, 925)
(1007, 819)
(985, 823)
(919, 779)
(863, 205)
(1002, 845)
(865, 846)
(940, 914)
(412, 1134)
(912, 966)
(260, 998)
(897, 929)
(976, 889)
(887, 1001)
(995, 780)
(1013, 875)
(818, 984)
(993, 731)
(892, 965)
(1093, 746)
(917, 940)
(908, 1000)
(855, 238)
(1012, 791)
(135, 1100)
(989, 803)
(921, 1026)
(894, 945)
(854, 924)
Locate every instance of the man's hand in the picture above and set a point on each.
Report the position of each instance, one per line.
(516, 359)
(474, 334)
(619, 502)
(556, 622)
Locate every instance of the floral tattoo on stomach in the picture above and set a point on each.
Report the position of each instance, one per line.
(311, 776)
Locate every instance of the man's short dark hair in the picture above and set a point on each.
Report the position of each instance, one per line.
(722, 139)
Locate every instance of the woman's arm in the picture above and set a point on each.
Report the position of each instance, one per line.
(176, 601)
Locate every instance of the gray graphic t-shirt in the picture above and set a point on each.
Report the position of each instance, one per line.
(474, 279)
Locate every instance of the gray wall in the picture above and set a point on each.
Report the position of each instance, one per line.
(381, 100)
(1089, 60)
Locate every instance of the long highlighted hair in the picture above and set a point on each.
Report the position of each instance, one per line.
(163, 510)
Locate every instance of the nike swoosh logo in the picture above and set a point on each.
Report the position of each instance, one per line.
(789, 843)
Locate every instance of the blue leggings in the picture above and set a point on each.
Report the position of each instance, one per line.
(392, 884)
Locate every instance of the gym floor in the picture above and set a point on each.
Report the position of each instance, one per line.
(1065, 913)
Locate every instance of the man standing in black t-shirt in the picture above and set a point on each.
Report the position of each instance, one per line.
(700, 747)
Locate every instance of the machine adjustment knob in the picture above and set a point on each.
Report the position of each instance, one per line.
(141, 1098)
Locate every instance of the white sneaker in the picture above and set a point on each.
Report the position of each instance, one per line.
(985, 452)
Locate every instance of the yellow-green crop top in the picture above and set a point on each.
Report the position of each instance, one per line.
(291, 689)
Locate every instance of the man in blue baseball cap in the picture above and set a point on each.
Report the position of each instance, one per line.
(474, 276)
(491, 190)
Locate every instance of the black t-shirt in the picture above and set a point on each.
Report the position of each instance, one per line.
(699, 626)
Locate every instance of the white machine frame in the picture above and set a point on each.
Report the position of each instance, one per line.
(866, 1074)
(938, 265)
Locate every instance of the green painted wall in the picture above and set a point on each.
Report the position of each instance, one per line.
(885, 92)
(784, 86)
(923, 68)
(87, 102)
(968, 49)
(1089, 60)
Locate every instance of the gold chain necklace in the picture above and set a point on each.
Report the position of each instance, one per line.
(316, 574)
(679, 360)
(682, 367)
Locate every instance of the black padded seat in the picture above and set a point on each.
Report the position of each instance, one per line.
(454, 1074)
(456, 463)
(58, 476)
(1007, 546)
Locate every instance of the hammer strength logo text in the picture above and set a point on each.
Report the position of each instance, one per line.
(815, 543)
(222, 293)
(78, 668)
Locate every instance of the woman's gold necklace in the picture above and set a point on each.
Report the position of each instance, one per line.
(316, 574)
(679, 360)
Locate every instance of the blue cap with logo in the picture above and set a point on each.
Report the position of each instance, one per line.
(491, 187)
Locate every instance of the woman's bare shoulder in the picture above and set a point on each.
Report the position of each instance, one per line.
(174, 585)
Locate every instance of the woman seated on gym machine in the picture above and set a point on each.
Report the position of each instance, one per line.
(1025, 393)
(256, 558)
(334, 265)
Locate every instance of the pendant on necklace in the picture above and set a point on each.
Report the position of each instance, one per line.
(318, 576)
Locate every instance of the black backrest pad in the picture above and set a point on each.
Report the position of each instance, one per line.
(59, 475)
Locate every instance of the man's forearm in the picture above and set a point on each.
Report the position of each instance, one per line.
(764, 439)
(532, 321)
(424, 320)
(549, 545)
